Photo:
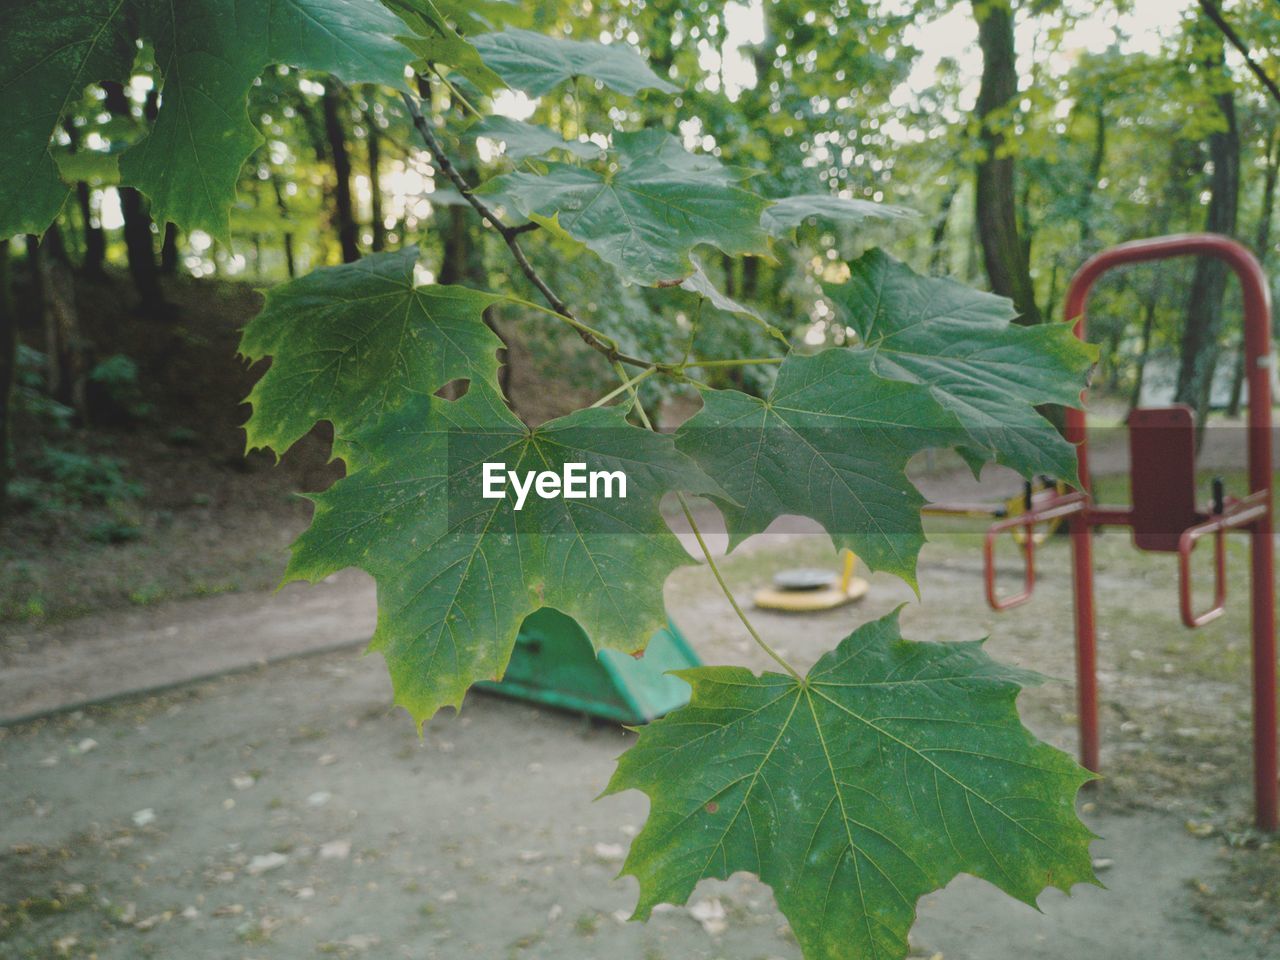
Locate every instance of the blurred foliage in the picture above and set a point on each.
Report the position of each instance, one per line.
(1109, 137)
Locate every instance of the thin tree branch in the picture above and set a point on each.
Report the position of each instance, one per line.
(1211, 11)
(509, 235)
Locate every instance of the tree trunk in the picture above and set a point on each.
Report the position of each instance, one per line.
(169, 250)
(996, 195)
(938, 241)
(1051, 299)
(1094, 174)
(374, 144)
(65, 374)
(138, 241)
(289, 263)
(1148, 324)
(8, 371)
(95, 241)
(462, 261)
(750, 277)
(1209, 282)
(730, 275)
(1027, 232)
(1261, 247)
(344, 210)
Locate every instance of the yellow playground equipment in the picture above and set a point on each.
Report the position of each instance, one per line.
(1032, 493)
(810, 590)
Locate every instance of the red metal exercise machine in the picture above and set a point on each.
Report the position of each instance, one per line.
(1164, 515)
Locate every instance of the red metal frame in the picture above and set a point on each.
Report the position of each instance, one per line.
(1052, 507)
(1253, 512)
(1242, 513)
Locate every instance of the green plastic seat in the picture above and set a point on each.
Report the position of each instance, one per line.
(554, 664)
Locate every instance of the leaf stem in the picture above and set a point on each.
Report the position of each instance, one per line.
(724, 587)
(706, 553)
(743, 362)
(580, 327)
(626, 385)
(456, 93)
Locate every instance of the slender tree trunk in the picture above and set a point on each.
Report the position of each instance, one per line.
(1026, 230)
(1209, 282)
(750, 277)
(1148, 325)
(344, 209)
(1094, 173)
(169, 250)
(1051, 299)
(456, 238)
(65, 374)
(1175, 208)
(730, 276)
(283, 207)
(138, 240)
(938, 241)
(973, 253)
(1261, 247)
(374, 144)
(140, 244)
(95, 241)
(462, 260)
(8, 371)
(996, 196)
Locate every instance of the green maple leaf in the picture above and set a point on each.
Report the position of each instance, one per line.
(655, 145)
(47, 55)
(524, 140)
(700, 284)
(831, 441)
(537, 64)
(647, 212)
(436, 42)
(889, 770)
(458, 574)
(354, 341)
(962, 345)
(209, 53)
(783, 216)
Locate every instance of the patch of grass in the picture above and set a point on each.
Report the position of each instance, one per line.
(146, 595)
(201, 588)
(522, 943)
(587, 924)
(114, 531)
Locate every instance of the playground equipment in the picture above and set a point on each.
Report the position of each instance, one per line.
(810, 590)
(1164, 515)
(1033, 494)
(553, 663)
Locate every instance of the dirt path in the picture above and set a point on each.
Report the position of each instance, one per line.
(288, 814)
(92, 659)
